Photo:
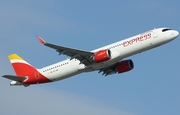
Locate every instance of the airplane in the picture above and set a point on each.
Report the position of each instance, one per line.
(107, 60)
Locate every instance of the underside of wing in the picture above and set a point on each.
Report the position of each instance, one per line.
(119, 67)
(108, 70)
(84, 57)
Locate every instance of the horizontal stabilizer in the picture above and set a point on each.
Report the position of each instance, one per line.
(15, 78)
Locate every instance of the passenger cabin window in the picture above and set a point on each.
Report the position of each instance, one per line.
(165, 30)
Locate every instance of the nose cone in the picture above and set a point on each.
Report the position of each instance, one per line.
(176, 33)
(171, 35)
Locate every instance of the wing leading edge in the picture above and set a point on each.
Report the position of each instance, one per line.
(84, 57)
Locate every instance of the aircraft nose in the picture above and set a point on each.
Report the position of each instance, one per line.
(175, 33)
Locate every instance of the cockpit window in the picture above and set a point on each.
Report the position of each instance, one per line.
(165, 30)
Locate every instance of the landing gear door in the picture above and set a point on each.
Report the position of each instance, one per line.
(155, 33)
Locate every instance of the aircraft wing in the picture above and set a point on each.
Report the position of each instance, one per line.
(108, 70)
(84, 57)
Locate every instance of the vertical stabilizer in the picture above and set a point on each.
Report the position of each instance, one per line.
(21, 67)
(25, 70)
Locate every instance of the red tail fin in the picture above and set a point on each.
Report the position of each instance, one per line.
(24, 69)
(21, 67)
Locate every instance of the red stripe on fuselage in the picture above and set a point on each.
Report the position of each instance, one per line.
(34, 77)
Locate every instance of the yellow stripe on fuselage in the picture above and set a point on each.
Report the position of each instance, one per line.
(14, 57)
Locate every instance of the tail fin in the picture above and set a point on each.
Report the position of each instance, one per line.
(21, 67)
(29, 74)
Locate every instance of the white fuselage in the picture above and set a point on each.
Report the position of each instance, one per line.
(119, 50)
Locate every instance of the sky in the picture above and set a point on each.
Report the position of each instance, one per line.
(151, 88)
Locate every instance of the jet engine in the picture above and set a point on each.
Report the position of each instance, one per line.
(102, 55)
(124, 66)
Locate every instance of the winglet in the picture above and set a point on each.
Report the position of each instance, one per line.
(41, 40)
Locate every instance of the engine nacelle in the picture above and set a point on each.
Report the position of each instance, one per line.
(102, 55)
(124, 66)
